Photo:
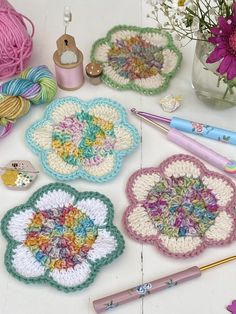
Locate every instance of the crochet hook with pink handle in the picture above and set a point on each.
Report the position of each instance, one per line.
(135, 293)
(194, 147)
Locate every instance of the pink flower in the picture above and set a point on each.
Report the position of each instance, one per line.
(224, 39)
(232, 308)
(184, 226)
(198, 127)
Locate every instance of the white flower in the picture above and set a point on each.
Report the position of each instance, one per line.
(61, 237)
(181, 5)
(195, 25)
(229, 2)
(177, 11)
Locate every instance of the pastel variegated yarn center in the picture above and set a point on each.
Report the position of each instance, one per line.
(60, 238)
(83, 139)
(181, 207)
(135, 58)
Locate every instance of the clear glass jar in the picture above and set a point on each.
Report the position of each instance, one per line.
(210, 87)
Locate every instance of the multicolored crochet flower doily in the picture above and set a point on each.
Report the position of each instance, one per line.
(83, 139)
(181, 207)
(61, 237)
(142, 59)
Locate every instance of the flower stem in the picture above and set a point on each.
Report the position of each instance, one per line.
(226, 92)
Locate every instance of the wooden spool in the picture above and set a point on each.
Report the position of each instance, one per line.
(68, 61)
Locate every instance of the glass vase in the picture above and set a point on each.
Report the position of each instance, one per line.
(211, 87)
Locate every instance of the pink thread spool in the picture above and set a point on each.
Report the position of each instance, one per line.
(68, 61)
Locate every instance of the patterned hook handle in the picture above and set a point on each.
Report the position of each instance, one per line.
(135, 293)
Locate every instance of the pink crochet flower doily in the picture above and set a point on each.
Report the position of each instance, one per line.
(181, 207)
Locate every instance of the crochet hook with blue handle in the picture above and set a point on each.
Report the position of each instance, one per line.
(197, 128)
(192, 146)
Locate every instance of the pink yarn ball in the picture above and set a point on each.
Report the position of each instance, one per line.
(15, 41)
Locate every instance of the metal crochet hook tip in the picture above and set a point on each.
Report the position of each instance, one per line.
(158, 125)
(220, 262)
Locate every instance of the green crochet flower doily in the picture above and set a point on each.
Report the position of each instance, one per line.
(61, 237)
(141, 59)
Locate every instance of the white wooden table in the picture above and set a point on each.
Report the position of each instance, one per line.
(208, 295)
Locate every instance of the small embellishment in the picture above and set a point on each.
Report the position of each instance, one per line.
(143, 290)
(18, 174)
(201, 129)
(110, 305)
(171, 103)
(170, 283)
(67, 50)
(94, 72)
(68, 57)
(232, 308)
(230, 167)
(78, 139)
(9, 177)
(180, 207)
(142, 59)
(61, 237)
(94, 69)
(224, 139)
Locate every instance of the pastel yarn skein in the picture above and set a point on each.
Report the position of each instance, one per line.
(35, 85)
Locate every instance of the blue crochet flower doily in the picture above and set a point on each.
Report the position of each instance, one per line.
(82, 139)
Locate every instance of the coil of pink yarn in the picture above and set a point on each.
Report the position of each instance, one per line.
(15, 41)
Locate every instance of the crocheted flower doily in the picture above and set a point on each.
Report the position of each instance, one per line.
(142, 59)
(61, 237)
(181, 207)
(83, 139)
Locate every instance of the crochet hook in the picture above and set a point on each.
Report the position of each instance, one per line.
(194, 147)
(142, 290)
(196, 128)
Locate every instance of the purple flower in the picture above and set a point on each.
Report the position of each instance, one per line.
(224, 39)
(232, 308)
